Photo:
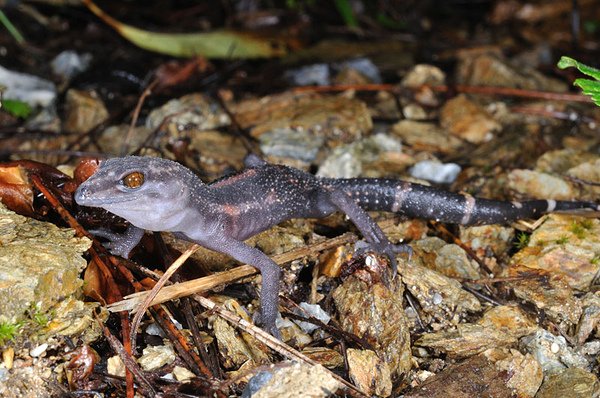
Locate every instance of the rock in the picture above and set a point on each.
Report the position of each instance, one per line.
(524, 373)
(39, 263)
(534, 184)
(27, 88)
(418, 76)
(473, 377)
(155, 357)
(192, 111)
(496, 238)
(487, 67)
(293, 381)
(381, 154)
(546, 291)
(332, 118)
(369, 372)
(112, 139)
(561, 160)
(448, 259)
(590, 318)
(467, 120)
(570, 383)
(499, 327)
(325, 356)
(84, 111)
(183, 374)
(374, 312)
(440, 297)
(426, 137)
(565, 245)
(552, 352)
(435, 171)
(237, 347)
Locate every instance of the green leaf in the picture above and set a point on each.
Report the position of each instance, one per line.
(16, 108)
(345, 9)
(589, 87)
(566, 62)
(218, 44)
(14, 32)
(389, 23)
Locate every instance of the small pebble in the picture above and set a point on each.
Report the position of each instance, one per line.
(39, 350)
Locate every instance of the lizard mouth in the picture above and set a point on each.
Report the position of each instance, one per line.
(100, 202)
(84, 198)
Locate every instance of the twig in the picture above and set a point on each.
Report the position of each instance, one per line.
(482, 296)
(113, 292)
(187, 353)
(136, 113)
(141, 310)
(411, 302)
(270, 341)
(130, 364)
(459, 88)
(466, 248)
(209, 282)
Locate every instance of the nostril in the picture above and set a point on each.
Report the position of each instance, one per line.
(80, 194)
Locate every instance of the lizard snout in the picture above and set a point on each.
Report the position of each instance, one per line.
(81, 194)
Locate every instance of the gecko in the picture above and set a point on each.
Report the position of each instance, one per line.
(157, 194)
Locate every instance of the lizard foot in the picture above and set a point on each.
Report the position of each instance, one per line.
(119, 244)
(112, 241)
(266, 325)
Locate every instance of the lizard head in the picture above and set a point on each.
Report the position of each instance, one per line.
(148, 192)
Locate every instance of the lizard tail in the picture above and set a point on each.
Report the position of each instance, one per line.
(420, 201)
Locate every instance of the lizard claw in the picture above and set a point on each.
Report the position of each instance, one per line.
(403, 248)
(396, 249)
(119, 244)
(274, 332)
(112, 242)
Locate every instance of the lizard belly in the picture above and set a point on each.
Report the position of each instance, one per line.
(250, 227)
(157, 221)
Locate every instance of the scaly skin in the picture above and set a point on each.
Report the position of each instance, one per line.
(221, 215)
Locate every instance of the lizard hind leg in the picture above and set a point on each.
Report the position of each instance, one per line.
(374, 236)
(269, 270)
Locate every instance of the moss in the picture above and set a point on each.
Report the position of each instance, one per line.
(580, 228)
(522, 240)
(8, 331)
(39, 318)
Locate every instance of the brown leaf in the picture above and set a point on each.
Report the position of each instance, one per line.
(15, 190)
(94, 285)
(173, 73)
(85, 169)
(81, 367)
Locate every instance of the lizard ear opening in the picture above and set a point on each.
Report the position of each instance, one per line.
(133, 180)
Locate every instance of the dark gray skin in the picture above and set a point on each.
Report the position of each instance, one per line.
(221, 215)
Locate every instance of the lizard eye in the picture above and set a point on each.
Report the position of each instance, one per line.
(133, 180)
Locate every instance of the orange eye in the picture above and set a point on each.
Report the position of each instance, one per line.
(133, 180)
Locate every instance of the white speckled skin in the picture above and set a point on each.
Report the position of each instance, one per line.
(221, 215)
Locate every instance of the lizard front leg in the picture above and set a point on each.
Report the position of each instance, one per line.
(270, 272)
(368, 227)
